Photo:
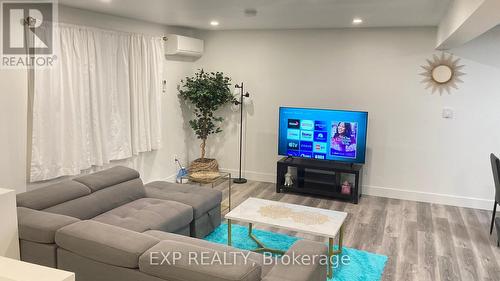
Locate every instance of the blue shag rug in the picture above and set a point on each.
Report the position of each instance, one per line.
(362, 266)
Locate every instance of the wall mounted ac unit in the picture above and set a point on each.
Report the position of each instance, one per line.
(178, 45)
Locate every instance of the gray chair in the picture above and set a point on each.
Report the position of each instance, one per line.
(495, 166)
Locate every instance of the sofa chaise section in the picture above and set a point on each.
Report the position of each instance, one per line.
(150, 213)
(206, 203)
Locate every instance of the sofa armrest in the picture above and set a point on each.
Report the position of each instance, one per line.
(40, 226)
(175, 260)
(311, 269)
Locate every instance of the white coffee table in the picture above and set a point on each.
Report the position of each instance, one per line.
(309, 220)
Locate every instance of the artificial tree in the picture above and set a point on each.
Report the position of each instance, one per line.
(205, 93)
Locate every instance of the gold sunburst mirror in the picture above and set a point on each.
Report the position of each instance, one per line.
(442, 73)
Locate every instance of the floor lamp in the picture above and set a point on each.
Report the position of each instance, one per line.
(243, 95)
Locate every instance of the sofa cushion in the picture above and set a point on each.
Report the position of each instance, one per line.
(101, 201)
(200, 198)
(255, 257)
(312, 270)
(148, 213)
(39, 226)
(109, 177)
(51, 195)
(193, 263)
(104, 243)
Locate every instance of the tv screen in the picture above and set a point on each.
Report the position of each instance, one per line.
(323, 134)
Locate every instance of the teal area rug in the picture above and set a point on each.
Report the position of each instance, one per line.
(362, 266)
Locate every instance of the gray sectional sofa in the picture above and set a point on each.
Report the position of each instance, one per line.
(107, 226)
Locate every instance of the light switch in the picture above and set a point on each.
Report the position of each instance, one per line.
(447, 113)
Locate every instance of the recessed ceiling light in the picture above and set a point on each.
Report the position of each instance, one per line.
(357, 21)
(214, 23)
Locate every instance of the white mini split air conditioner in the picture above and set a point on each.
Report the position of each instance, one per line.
(178, 45)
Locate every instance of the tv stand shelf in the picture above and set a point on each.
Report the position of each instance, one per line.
(320, 177)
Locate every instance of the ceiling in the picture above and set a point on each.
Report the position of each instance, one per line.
(273, 14)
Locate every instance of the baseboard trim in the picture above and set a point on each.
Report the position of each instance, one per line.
(397, 193)
(429, 197)
(251, 175)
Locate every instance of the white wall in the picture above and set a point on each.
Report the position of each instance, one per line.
(412, 152)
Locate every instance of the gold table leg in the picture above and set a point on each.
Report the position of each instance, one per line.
(230, 180)
(229, 239)
(262, 247)
(332, 252)
(226, 207)
(341, 238)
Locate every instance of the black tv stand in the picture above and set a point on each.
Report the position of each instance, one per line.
(320, 177)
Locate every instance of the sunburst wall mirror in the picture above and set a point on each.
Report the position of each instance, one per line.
(442, 73)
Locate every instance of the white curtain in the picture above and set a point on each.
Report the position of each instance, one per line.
(100, 102)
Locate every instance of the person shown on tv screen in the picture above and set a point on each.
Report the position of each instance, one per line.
(344, 140)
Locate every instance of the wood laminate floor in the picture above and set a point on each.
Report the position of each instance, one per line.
(423, 241)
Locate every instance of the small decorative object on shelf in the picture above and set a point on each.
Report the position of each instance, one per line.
(289, 177)
(346, 188)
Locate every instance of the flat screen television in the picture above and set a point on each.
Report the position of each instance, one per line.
(324, 134)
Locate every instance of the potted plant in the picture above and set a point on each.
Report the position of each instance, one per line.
(205, 93)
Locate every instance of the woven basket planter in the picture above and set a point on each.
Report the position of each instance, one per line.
(204, 170)
(204, 165)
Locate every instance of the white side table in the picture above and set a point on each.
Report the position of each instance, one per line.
(9, 240)
(14, 270)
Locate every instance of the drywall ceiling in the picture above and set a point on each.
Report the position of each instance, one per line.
(273, 14)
